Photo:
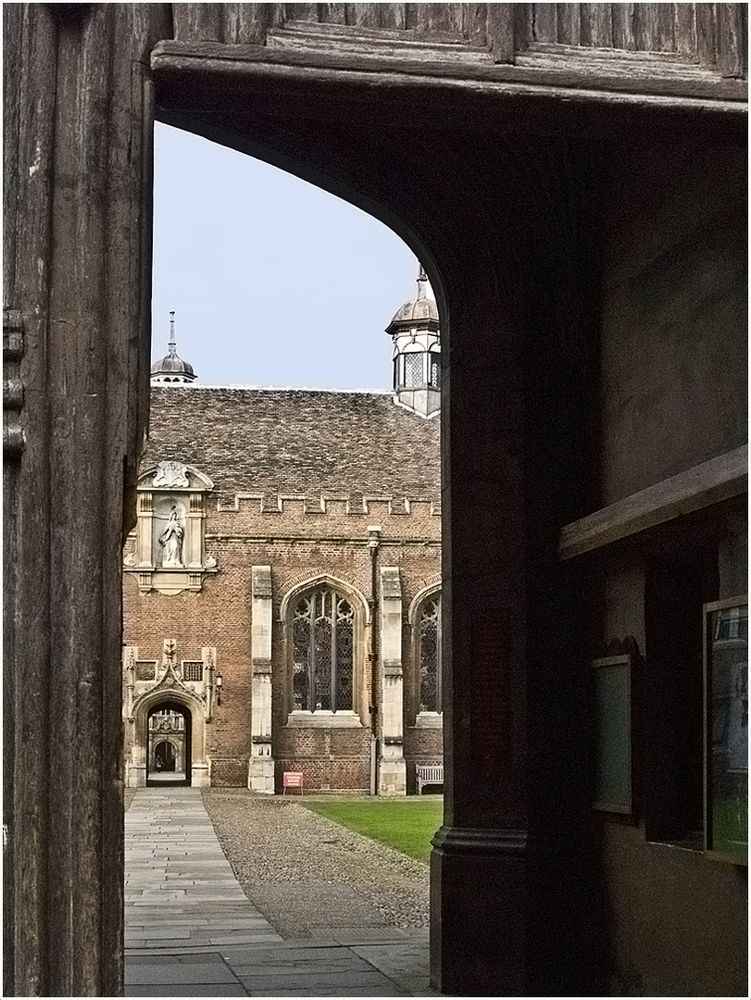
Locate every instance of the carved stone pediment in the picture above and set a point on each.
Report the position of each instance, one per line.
(171, 475)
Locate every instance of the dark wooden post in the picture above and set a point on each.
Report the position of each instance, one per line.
(478, 938)
(516, 421)
(77, 286)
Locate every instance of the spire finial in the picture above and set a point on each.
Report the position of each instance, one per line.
(422, 283)
(172, 345)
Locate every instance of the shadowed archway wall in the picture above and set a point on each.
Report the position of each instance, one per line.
(488, 159)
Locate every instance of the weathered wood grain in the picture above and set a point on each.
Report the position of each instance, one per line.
(622, 16)
(245, 22)
(501, 32)
(198, 22)
(33, 86)
(12, 42)
(596, 26)
(545, 22)
(393, 15)
(719, 479)
(367, 15)
(522, 18)
(79, 281)
(569, 23)
(475, 28)
(685, 29)
(332, 13)
(441, 17)
(706, 34)
(654, 27)
(303, 11)
(622, 77)
(732, 39)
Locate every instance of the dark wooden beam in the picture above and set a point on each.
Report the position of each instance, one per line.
(719, 479)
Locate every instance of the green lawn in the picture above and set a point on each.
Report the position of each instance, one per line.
(406, 825)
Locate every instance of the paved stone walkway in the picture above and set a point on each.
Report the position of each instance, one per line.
(191, 931)
(178, 884)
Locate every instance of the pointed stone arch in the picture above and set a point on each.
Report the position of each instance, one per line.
(360, 702)
(420, 596)
(325, 580)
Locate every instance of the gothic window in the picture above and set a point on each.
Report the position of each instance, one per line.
(323, 652)
(429, 653)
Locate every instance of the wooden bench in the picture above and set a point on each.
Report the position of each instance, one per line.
(428, 774)
(292, 779)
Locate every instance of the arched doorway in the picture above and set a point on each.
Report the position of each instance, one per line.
(169, 744)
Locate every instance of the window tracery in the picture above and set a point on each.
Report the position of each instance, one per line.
(323, 624)
(429, 653)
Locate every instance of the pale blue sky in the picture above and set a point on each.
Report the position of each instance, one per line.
(273, 281)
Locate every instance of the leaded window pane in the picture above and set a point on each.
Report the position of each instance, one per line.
(322, 652)
(429, 631)
(412, 370)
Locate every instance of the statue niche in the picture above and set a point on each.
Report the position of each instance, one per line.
(167, 549)
(171, 540)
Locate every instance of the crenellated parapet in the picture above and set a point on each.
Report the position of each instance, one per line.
(331, 506)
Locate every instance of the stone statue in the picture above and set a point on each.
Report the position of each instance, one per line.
(171, 539)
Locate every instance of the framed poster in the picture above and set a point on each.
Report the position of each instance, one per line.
(611, 699)
(726, 730)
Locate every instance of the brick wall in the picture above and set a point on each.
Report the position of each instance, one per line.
(299, 541)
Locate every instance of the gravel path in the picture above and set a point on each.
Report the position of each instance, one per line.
(307, 874)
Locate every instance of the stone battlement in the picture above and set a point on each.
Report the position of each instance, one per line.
(334, 505)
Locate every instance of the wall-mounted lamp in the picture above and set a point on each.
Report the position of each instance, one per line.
(218, 689)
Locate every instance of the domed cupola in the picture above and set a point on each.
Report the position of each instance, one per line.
(417, 351)
(172, 368)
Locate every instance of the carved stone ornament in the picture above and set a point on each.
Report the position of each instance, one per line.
(170, 475)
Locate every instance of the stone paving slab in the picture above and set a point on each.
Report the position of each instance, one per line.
(342, 983)
(186, 990)
(191, 930)
(179, 973)
(205, 898)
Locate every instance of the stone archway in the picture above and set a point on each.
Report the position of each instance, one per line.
(140, 766)
(169, 741)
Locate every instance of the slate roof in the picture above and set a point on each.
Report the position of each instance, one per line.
(297, 441)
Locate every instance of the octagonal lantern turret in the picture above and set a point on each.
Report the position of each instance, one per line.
(415, 330)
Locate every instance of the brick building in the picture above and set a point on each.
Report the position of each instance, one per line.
(282, 585)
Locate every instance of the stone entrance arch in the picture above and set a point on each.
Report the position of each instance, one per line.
(168, 743)
(140, 768)
(165, 756)
(490, 159)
